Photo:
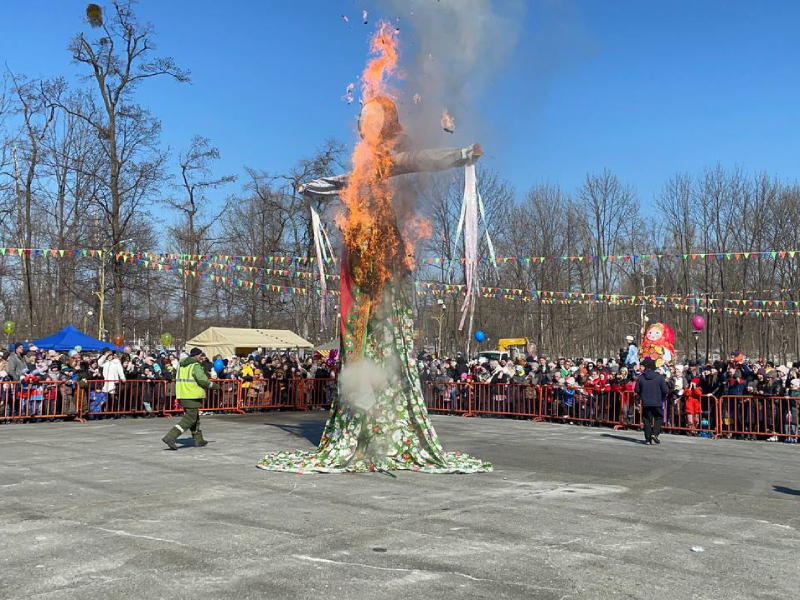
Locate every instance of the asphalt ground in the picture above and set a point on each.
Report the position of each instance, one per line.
(101, 510)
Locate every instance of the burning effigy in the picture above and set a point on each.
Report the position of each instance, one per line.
(379, 421)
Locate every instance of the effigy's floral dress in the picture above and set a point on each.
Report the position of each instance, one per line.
(394, 432)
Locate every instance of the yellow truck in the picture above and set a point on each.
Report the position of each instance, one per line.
(507, 349)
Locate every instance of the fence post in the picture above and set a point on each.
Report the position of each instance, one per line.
(469, 412)
(79, 394)
(539, 416)
(718, 425)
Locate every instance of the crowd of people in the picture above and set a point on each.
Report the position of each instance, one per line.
(36, 382)
(582, 389)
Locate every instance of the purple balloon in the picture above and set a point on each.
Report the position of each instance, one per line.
(698, 323)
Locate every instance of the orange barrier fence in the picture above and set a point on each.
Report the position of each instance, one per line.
(450, 398)
(754, 417)
(117, 398)
(759, 417)
(685, 415)
(744, 416)
(38, 401)
(317, 393)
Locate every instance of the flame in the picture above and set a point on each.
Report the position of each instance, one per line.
(373, 240)
(416, 228)
(448, 124)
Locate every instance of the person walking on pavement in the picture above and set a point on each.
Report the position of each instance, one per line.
(191, 384)
(652, 388)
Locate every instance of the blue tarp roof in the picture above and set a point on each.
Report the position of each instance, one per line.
(68, 338)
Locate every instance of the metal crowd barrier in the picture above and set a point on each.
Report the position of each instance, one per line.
(40, 401)
(758, 417)
(755, 417)
(741, 416)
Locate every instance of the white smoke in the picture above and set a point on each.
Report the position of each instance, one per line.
(450, 51)
(359, 382)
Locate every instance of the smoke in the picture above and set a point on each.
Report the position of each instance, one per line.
(450, 51)
(359, 382)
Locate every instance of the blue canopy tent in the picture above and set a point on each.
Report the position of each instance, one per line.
(68, 338)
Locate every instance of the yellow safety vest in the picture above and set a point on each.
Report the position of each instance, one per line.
(186, 387)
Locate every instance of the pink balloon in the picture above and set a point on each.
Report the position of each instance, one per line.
(698, 323)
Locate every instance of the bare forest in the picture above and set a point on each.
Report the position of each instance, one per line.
(82, 167)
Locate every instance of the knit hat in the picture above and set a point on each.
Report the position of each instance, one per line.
(782, 370)
(649, 363)
(195, 352)
(795, 384)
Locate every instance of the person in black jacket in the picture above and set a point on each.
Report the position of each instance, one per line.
(651, 388)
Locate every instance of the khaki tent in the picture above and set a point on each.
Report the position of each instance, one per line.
(230, 341)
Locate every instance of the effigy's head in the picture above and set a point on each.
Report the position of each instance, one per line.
(379, 120)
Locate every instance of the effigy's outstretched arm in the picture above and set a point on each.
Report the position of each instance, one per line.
(413, 161)
(435, 159)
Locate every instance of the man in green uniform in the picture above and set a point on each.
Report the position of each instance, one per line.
(191, 384)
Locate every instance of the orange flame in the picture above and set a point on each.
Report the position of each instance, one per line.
(371, 235)
(448, 124)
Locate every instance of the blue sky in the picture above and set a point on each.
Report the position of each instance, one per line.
(644, 88)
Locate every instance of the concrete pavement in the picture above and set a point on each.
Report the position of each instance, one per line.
(101, 510)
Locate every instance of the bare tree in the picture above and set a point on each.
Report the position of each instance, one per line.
(119, 60)
(192, 231)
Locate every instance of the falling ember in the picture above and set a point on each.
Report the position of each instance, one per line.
(348, 95)
(364, 16)
(448, 124)
(417, 98)
(375, 246)
(346, 20)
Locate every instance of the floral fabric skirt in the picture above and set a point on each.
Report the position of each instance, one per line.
(392, 430)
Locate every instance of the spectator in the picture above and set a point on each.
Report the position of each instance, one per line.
(632, 358)
(113, 375)
(16, 362)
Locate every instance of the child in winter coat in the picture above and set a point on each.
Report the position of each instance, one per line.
(694, 397)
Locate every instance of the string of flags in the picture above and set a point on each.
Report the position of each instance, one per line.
(766, 308)
(653, 299)
(187, 264)
(234, 281)
(145, 260)
(431, 260)
(772, 254)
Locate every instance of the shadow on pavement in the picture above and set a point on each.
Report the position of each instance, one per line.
(785, 490)
(312, 431)
(624, 438)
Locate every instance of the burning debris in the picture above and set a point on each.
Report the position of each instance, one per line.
(448, 124)
(417, 98)
(364, 16)
(348, 95)
(346, 20)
